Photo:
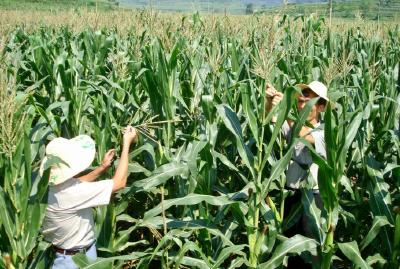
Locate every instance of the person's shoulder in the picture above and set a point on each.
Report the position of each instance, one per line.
(318, 133)
(318, 128)
(67, 186)
(88, 186)
(70, 183)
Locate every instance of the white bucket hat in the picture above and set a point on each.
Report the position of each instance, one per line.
(67, 157)
(319, 88)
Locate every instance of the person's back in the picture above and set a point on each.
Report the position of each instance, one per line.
(68, 224)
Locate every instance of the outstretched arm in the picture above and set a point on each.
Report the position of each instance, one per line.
(121, 174)
(105, 164)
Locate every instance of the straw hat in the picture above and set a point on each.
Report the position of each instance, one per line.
(318, 88)
(67, 157)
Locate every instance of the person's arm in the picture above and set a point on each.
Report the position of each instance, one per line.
(105, 164)
(305, 133)
(273, 98)
(121, 174)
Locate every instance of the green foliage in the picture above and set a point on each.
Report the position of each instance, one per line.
(206, 188)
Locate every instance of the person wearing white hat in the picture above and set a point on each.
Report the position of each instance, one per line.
(302, 173)
(68, 222)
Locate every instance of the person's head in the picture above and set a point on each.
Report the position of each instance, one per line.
(67, 157)
(310, 91)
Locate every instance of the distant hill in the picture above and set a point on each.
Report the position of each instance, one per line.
(58, 4)
(216, 6)
(371, 9)
(212, 3)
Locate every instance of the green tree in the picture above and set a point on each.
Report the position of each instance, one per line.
(366, 7)
(249, 8)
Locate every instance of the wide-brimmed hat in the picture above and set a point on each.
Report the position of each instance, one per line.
(318, 88)
(67, 157)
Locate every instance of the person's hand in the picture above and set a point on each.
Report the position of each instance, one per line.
(108, 158)
(277, 98)
(130, 135)
(273, 96)
(270, 91)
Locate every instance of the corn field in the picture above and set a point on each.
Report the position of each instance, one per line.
(207, 179)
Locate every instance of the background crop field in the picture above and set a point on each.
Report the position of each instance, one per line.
(206, 185)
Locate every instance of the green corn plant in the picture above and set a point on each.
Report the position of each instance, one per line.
(206, 185)
(22, 191)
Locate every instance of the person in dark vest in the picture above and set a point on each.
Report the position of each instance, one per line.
(302, 172)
